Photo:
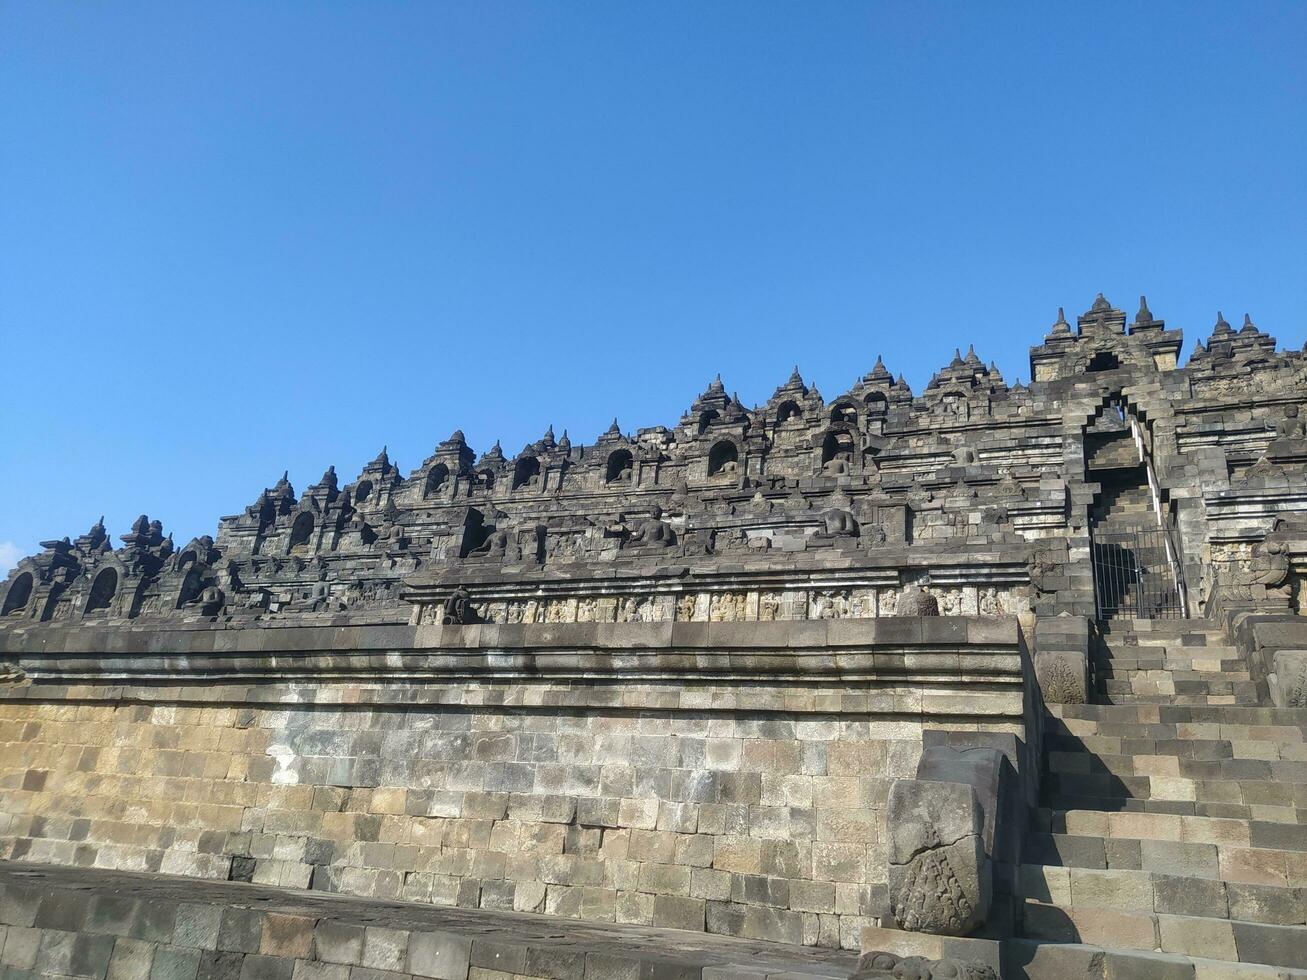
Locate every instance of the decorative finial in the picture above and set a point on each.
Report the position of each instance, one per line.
(1144, 315)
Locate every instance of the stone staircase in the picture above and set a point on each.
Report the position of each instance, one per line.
(1172, 836)
(1169, 662)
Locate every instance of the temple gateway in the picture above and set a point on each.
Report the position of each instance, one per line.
(987, 680)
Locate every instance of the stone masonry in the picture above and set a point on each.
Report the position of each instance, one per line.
(990, 680)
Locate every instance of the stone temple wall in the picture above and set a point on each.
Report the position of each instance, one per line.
(680, 676)
(722, 777)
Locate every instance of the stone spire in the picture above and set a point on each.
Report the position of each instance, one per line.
(1060, 326)
(879, 372)
(1145, 316)
(1102, 315)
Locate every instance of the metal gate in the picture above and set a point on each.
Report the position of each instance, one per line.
(1134, 575)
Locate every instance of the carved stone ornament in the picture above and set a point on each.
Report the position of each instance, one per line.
(939, 874)
(1059, 682)
(875, 965)
(916, 602)
(458, 609)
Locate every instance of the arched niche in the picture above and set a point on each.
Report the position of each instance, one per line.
(362, 491)
(844, 413)
(788, 411)
(838, 446)
(877, 405)
(526, 473)
(621, 466)
(1103, 360)
(487, 478)
(18, 596)
(103, 588)
(707, 418)
(953, 404)
(191, 587)
(723, 459)
(437, 476)
(301, 532)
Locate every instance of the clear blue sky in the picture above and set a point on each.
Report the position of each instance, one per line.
(236, 238)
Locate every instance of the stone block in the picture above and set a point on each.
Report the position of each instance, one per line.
(258, 967)
(197, 926)
(240, 930)
(132, 959)
(220, 965)
(337, 942)
(678, 912)
(440, 955)
(175, 963)
(289, 936)
(939, 875)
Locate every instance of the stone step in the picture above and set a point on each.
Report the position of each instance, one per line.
(1153, 891)
(1242, 695)
(1174, 627)
(1161, 644)
(1040, 959)
(1179, 789)
(1190, 828)
(1277, 867)
(1227, 940)
(1249, 716)
(90, 922)
(1284, 739)
(1181, 748)
(1168, 663)
(1155, 766)
(1266, 812)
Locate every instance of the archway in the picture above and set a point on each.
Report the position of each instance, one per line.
(723, 459)
(19, 594)
(788, 412)
(837, 446)
(301, 531)
(436, 478)
(103, 589)
(526, 473)
(844, 413)
(1104, 360)
(621, 465)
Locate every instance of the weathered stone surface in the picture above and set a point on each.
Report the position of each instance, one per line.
(939, 874)
(670, 677)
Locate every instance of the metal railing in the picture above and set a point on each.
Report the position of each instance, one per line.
(1136, 575)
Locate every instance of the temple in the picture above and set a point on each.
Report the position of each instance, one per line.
(985, 680)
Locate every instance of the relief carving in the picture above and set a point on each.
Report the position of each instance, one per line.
(727, 607)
